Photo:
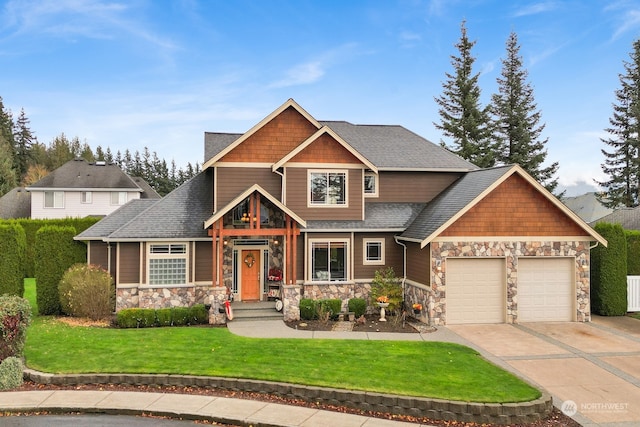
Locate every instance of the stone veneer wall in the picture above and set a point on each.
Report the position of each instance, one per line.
(291, 295)
(185, 296)
(440, 251)
(341, 291)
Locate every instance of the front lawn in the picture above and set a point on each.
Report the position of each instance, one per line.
(428, 369)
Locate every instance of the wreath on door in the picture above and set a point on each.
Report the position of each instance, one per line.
(250, 260)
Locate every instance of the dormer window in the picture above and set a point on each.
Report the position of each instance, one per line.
(370, 184)
(327, 188)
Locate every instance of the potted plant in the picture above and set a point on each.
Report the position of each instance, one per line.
(417, 308)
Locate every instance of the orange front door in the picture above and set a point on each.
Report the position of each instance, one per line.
(250, 275)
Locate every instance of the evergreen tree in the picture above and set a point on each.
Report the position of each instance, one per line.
(622, 163)
(6, 126)
(461, 116)
(59, 152)
(7, 173)
(517, 125)
(108, 156)
(23, 141)
(99, 153)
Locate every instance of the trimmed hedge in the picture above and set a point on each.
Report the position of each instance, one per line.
(11, 375)
(609, 272)
(15, 316)
(633, 252)
(12, 255)
(149, 317)
(308, 309)
(332, 306)
(357, 306)
(55, 252)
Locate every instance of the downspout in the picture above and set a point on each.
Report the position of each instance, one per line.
(404, 264)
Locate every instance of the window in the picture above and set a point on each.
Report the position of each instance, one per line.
(329, 261)
(118, 197)
(86, 197)
(241, 213)
(168, 264)
(373, 251)
(327, 188)
(54, 199)
(370, 184)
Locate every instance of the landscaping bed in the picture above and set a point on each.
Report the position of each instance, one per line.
(368, 323)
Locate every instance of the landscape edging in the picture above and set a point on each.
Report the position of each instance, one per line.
(506, 413)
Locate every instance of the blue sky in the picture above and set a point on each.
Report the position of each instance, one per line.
(130, 74)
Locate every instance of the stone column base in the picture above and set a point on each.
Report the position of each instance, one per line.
(217, 297)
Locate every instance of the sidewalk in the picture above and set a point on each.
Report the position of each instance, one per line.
(219, 409)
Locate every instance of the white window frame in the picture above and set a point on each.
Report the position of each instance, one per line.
(122, 198)
(167, 251)
(86, 197)
(313, 277)
(326, 203)
(365, 252)
(57, 200)
(373, 193)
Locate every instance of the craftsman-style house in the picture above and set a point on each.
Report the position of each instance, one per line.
(297, 207)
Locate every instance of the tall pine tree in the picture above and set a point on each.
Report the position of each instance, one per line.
(23, 141)
(517, 126)
(622, 163)
(461, 116)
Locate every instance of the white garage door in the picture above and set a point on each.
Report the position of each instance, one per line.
(545, 291)
(475, 291)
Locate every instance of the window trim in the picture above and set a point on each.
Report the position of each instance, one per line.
(365, 254)
(175, 250)
(54, 194)
(375, 184)
(347, 261)
(86, 197)
(326, 204)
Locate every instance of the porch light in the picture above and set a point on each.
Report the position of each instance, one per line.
(276, 242)
(225, 242)
(438, 264)
(245, 217)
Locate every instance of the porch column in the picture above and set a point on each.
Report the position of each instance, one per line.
(214, 236)
(221, 254)
(294, 257)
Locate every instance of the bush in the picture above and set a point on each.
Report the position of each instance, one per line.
(633, 252)
(136, 318)
(199, 315)
(385, 283)
(609, 272)
(308, 309)
(164, 317)
(10, 373)
(87, 291)
(331, 306)
(55, 251)
(357, 306)
(180, 316)
(15, 316)
(12, 248)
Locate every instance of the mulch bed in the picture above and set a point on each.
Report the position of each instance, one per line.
(368, 323)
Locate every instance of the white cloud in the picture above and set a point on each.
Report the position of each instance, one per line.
(535, 8)
(630, 21)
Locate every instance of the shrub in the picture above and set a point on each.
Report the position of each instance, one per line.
(12, 248)
(136, 318)
(609, 272)
(633, 252)
(385, 283)
(331, 306)
(15, 316)
(308, 309)
(10, 373)
(164, 317)
(87, 291)
(357, 306)
(55, 252)
(199, 315)
(180, 316)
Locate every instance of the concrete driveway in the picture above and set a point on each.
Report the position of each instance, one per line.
(592, 370)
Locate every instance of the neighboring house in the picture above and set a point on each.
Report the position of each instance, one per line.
(319, 207)
(628, 218)
(15, 204)
(79, 188)
(587, 206)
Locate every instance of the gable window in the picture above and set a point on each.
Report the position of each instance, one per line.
(370, 184)
(373, 251)
(168, 264)
(328, 188)
(118, 197)
(329, 261)
(54, 199)
(87, 197)
(241, 213)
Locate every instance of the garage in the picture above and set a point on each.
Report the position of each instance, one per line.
(475, 290)
(545, 291)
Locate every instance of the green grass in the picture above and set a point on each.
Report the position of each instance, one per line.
(428, 369)
(635, 315)
(30, 294)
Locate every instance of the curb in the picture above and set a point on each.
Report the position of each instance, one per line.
(498, 413)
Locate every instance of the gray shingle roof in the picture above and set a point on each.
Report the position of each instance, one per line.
(15, 204)
(180, 214)
(147, 191)
(392, 147)
(378, 216)
(587, 207)
(628, 218)
(79, 173)
(453, 200)
(116, 219)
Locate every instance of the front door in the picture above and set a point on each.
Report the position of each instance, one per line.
(250, 289)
